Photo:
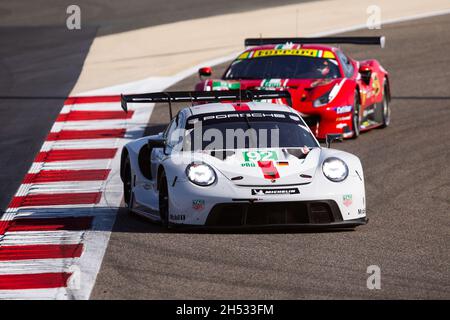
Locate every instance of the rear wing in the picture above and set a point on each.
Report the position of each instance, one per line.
(317, 40)
(202, 96)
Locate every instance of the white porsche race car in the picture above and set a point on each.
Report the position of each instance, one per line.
(234, 162)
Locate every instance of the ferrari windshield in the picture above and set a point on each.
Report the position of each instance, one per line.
(283, 67)
(242, 130)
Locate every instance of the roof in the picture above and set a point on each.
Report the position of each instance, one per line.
(238, 106)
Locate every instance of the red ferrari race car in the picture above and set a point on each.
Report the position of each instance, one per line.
(335, 93)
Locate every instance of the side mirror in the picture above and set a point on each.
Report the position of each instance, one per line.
(205, 72)
(333, 137)
(365, 72)
(158, 142)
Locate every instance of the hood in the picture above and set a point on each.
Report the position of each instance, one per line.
(266, 167)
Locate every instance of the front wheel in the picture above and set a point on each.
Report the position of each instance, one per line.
(356, 118)
(127, 180)
(164, 201)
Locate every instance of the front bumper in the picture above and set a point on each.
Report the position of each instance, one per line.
(320, 214)
(338, 225)
(271, 213)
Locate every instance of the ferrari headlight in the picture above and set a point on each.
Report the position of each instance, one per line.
(335, 169)
(327, 97)
(322, 100)
(201, 174)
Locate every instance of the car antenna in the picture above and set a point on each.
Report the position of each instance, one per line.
(170, 104)
(192, 99)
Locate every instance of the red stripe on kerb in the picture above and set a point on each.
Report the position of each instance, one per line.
(40, 251)
(75, 154)
(54, 199)
(94, 115)
(50, 224)
(66, 175)
(34, 281)
(86, 134)
(269, 170)
(80, 100)
(241, 106)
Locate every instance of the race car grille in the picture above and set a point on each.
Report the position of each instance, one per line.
(312, 121)
(279, 213)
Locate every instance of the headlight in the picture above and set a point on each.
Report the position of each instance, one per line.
(327, 97)
(201, 174)
(335, 169)
(322, 100)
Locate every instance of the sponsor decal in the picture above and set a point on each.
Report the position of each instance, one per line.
(260, 155)
(343, 109)
(363, 97)
(346, 118)
(248, 164)
(238, 115)
(271, 83)
(362, 211)
(218, 85)
(365, 124)
(177, 217)
(376, 87)
(198, 204)
(368, 111)
(347, 200)
(313, 53)
(261, 192)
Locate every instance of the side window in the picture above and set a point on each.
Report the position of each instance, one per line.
(347, 65)
(172, 133)
(168, 134)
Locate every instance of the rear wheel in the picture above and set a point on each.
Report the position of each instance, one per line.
(386, 120)
(127, 180)
(356, 118)
(164, 200)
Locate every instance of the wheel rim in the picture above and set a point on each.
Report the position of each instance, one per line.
(386, 112)
(163, 202)
(127, 186)
(356, 122)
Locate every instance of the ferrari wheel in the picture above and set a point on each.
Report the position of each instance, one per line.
(386, 111)
(127, 189)
(356, 119)
(163, 200)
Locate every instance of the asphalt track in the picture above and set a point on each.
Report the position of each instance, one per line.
(117, 16)
(407, 186)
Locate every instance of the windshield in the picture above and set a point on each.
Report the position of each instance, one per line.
(283, 67)
(245, 130)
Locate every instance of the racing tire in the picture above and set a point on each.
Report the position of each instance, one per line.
(356, 118)
(163, 200)
(386, 111)
(127, 181)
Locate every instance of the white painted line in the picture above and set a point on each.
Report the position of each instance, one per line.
(65, 187)
(80, 144)
(36, 266)
(42, 237)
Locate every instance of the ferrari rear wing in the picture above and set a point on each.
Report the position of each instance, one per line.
(202, 96)
(317, 40)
